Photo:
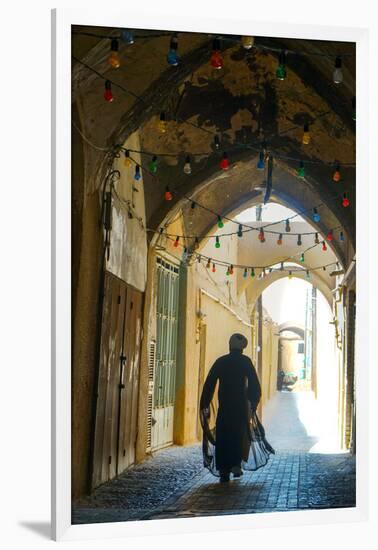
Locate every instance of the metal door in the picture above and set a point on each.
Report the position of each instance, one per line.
(166, 353)
(117, 393)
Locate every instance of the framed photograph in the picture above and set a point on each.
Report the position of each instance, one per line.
(209, 311)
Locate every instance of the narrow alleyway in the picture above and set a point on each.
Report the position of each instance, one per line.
(174, 484)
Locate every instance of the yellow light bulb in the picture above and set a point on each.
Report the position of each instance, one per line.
(247, 42)
(306, 135)
(162, 124)
(114, 60)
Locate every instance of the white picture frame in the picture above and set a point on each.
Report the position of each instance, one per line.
(62, 20)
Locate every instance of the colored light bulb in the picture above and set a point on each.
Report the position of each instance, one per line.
(341, 236)
(217, 242)
(127, 36)
(252, 272)
(231, 269)
(338, 72)
(196, 243)
(127, 160)
(261, 235)
(307, 274)
(240, 231)
(224, 163)
(330, 235)
(306, 134)
(317, 238)
(346, 201)
(213, 268)
(162, 124)
(245, 273)
(279, 240)
(287, 226)
(172, 56)
(324, 247)
(216, 142)
(220, 223)
(108, 94)
(176, 243)
(301, 170)
(208, 264)
(168, 194)
(137, 175)
(261, 162)
(302, 257)
(113, 59)
(316, 215)
(247, 42)
(299, 240)
(187, 166)
(228, 271)
(216, 60)
(281, 69)
(337, 175)
(153, 165)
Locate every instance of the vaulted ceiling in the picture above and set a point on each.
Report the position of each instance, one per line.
(244, 103)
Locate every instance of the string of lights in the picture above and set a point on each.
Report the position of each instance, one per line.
(242, 227)
(129, 36)
(216, 262)
(260, 147)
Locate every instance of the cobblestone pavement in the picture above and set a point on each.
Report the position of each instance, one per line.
(174, 484)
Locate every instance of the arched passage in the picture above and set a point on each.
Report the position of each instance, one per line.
(181, 303)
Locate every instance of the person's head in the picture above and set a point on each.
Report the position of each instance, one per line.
(238, 342)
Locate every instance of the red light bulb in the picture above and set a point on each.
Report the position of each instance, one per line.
(108, 95)
(216, 59)
(330, 235)
(231, 270)
(213, 269)
(279, 240)
(346, 201)
(224, 163)
(176, 243)
(168, 194)
(324, 247)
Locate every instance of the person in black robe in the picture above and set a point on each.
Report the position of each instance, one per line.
(238, 438)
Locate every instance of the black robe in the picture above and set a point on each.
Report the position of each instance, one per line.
(232, 435)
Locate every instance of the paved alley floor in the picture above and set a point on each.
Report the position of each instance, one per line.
(173, 482)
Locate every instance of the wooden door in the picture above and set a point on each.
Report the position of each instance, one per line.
(129, 378)
(118, 382)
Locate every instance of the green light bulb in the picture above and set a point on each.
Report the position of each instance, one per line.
(301, 170)
(153, 165)
(217, 243)
(220, 223)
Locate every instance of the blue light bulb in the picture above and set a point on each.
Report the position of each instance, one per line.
(173, 58)
(261, 162)
(137, 175)
(316, 216)
(127, 36)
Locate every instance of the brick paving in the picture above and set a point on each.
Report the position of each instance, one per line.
(174, 484)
